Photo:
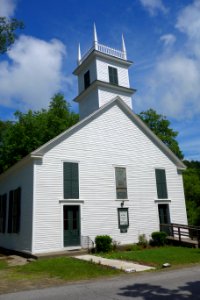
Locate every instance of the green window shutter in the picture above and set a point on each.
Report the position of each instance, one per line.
(71, 180)
(161, 184)
(113, 78)
(10, 213)
(75, 181)
(18, 210)
(2, 214)
(4, 206)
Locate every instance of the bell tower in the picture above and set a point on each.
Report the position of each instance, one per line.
(102, 75)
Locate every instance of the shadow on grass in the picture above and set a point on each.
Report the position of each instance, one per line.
(154, 292)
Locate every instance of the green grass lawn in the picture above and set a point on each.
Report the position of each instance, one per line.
(158, 256)
(3, 264)
(63, 268)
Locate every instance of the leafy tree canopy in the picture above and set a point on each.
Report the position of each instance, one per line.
(161, 127)
(8, 35)
(33, 129)
(191, 179)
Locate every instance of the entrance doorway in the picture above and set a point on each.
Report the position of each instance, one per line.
(164, 217)
(71, 225)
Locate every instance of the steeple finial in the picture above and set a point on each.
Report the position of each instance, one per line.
(79, 53)
(95, 37)
(124, 47)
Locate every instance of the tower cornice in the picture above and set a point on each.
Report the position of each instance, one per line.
(96, 53)
(99, 83)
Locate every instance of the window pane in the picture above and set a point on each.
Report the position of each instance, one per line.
(121, 185)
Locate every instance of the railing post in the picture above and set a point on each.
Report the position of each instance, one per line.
(179, 233)
(172, 230)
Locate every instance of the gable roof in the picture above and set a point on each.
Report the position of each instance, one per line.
(125, 108)
(38, 153)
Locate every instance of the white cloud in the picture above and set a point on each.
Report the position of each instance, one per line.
(32, 74)
(7, 8)
(189, 23)
(174, 84)
(189, 20)
(154, 6)
(168, 39)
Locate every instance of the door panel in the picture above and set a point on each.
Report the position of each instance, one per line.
(71, 220)
(164, 217)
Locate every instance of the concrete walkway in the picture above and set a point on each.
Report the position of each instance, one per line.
(114, 263)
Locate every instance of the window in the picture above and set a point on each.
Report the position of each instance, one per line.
(3, 203)
(71, 180)
(161, 184)
(113, 78)
(121, 186)
(14, 211)
(87, 79)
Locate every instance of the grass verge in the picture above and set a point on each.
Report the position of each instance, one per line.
(158, 256)
(65, 268)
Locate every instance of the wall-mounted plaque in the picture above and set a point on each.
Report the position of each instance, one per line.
(123, 219)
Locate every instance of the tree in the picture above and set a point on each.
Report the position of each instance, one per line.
(33, 129)
(161, 127)
(191, 179)
(8, 35)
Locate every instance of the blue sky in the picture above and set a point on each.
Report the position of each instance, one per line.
(162, 39)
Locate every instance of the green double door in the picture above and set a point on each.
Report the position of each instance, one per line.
(71, 222)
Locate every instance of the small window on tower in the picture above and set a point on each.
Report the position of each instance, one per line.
(113, 78)
(87, 79)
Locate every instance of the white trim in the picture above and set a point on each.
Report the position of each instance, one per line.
(71, 201)
(33, 209)
(162, 201)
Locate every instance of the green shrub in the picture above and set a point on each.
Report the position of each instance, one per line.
(158, 238)
(142, 240)
(103, 243)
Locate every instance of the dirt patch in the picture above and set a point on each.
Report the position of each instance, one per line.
(12, 286)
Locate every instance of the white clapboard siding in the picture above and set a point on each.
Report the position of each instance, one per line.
(110, 140)
(89, 104)
(106, 94)
(103, 75)
(23, 178)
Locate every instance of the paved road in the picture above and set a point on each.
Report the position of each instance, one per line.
(180, 284)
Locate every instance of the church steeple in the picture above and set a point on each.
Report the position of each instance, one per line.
(102, 75)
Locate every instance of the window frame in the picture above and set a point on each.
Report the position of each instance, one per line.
(121, 188)
(113, 75)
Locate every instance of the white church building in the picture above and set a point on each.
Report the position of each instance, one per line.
(107, 175)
